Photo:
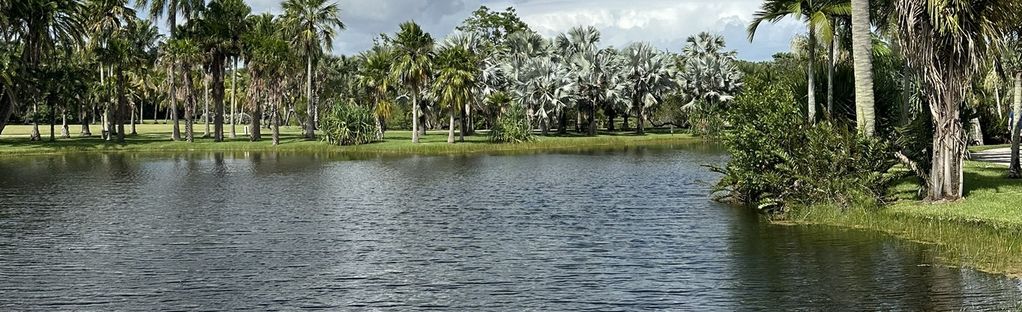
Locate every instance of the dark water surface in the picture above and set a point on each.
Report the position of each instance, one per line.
(610, 230)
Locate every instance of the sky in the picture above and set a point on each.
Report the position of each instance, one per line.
(664, 23)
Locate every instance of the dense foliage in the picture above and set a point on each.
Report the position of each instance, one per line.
(512, 127)
(350, 125)
(779, 158)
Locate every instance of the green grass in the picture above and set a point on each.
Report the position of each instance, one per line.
(156, 138)
(982, 231)
(975, 149)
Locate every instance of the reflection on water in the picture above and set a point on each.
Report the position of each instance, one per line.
(595, 230)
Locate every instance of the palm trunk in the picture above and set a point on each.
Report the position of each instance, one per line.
(189, 106)
(234, 101)
(562, 122)
(832, 60)
(450, 131)
(977, 131)
(53, 121)
(205, 110)
(610, 120)
(35, 123)
(812, 75)
(640, 121)
(6, 107)
(1015, 170)
(415, 114)
(310, 123)
(122, 104)
(176, 133)
(948, 148)
(86, 132)
(218, 99)
(275, 119)
(997, 95)
(64, 131)
(862, 56)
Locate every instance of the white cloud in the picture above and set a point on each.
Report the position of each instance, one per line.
(664, 23)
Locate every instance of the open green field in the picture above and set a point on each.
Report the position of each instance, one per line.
(983, 231)
(156, 138)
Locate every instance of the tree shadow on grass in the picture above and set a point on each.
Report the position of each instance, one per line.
(989, 179)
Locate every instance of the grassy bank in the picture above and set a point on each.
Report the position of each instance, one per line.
(983, 231)
(155, 138)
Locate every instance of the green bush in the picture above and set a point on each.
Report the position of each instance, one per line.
(512, 127)
(778, 158)
(350, 125)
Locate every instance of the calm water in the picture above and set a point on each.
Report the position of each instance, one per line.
(610, 230)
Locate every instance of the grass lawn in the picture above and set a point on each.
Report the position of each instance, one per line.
(975, 149)
(983, 231)
(156, 138)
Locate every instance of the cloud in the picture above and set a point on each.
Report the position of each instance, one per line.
(664, 23)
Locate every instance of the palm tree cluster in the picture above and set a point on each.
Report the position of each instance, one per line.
(940, 66)
(97, 60)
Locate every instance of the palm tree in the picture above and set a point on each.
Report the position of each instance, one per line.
(948, 43)
(817, 16)
(172, 8)
(266, 55)
(590, 67)
(40, 26)
(862, 60)
(454, 81)
(313, 24)
(216, 34)
(650, 74)
(413, 65)
(374, 77)
(111, 27)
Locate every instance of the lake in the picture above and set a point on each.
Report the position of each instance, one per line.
(617, 229)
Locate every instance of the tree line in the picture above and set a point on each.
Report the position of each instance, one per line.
(97, 61)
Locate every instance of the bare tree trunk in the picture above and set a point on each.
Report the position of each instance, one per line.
(133, 130)
(640, 121)
(310, 123)
(450, 131)
(977, 131)
(122, 104)
(997, 95)
(862, 57)
(205, 113)
(811, 75)
(948, 149)
(65, 133)
(415, 114)
(275, 117)
(35, 122)
(176, 134)
(218, 99)
(234, 101)
(86, 132)
(1015, 169)
(831, 62)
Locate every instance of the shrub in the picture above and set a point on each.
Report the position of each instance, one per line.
(778, 158)
(350, 125)
(512, 127)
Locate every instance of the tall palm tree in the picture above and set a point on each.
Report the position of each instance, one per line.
(267, 55)
(216, 34)
(173, 8)
(374, 77)
(454, 81)
(313, 24)
(817, 16)
(40, 27)
(650, 75)
(413, 65)
(862, 62)
(948, 43)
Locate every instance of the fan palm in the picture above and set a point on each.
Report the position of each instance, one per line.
(313, 25)
(172, 8)
(413, 65)
(454, 81)
(374, 77)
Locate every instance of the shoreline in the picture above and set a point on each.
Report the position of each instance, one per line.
(981, 232)
(395, 143)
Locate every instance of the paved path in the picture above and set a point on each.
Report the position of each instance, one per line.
(998, 156)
